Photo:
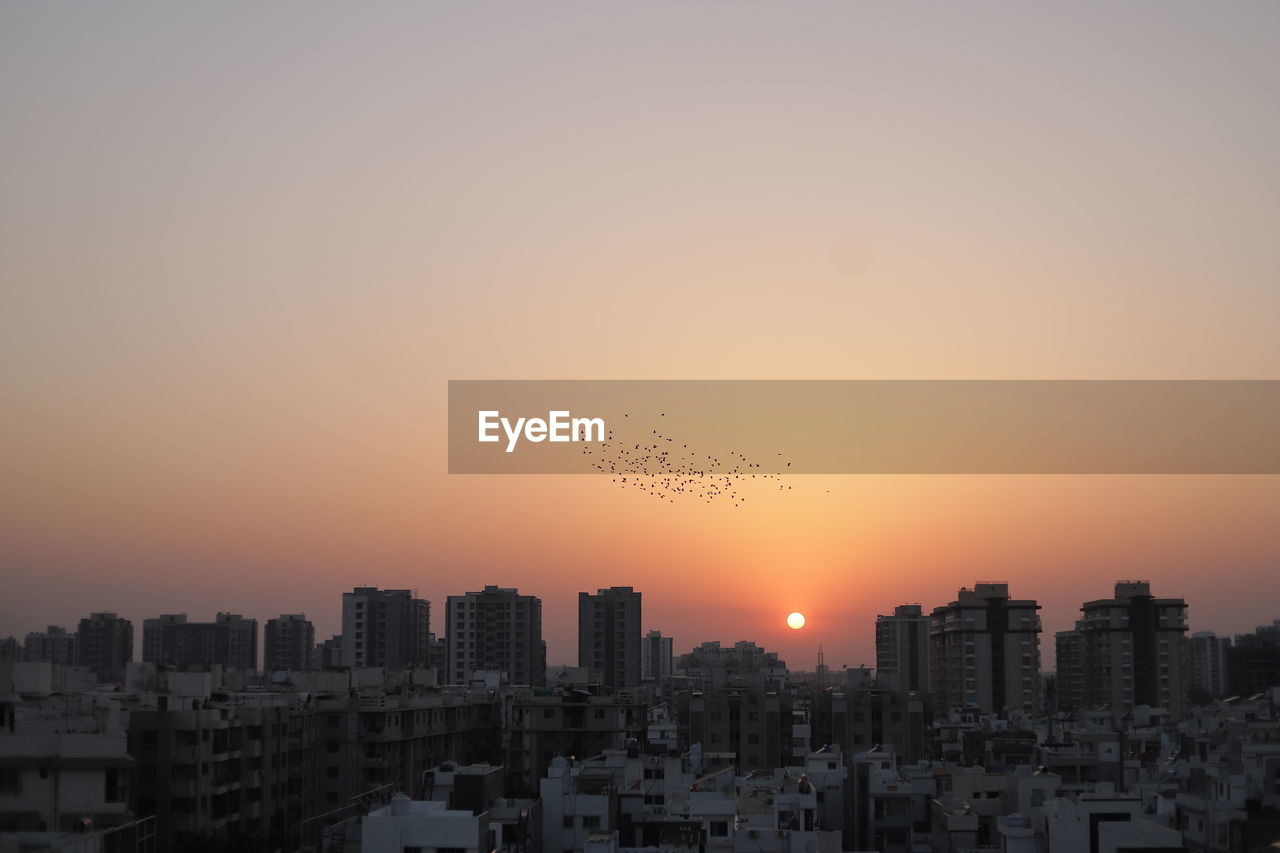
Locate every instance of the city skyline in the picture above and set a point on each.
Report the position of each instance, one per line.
(681, 645)
(235, 292)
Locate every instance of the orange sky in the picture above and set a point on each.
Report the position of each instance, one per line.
(244, 249)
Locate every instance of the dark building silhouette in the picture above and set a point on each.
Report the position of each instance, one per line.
(230, 641)
(104, 643)
(288, 643)
(902, 649)
(385, 627)
(496, 629)
(1253, 663)
(609, 635)
(751, 719)
(52, 645)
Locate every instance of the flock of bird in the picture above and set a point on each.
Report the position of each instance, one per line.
(664, 468)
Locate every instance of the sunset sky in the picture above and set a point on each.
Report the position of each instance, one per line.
(243, 248)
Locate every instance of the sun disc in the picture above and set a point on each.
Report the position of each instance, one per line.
(795, 621)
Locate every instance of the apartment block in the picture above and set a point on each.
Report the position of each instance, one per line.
(230, 641)
(902, 650)
(52, 645)
(288, 643)
(496, 629)
(1131, 651)
(656, 658)
(985, 650)
(609, 635)
(104, 644)
(389, 628)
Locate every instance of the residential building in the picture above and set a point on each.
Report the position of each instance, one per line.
(389, 628)
(655, 658)
(902, 650)
(328, 655)
(104, 644)
(288, 643)
(1208, 653)
(230, 641)
(609, 635)
(751, 721)
(52, 645)
(496, 629)
(1131, 652)
(985, 650)
(1253, 661)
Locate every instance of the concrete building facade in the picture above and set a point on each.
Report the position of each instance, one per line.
(389, 628)
(1130, 651)
(104, 644)
(496, 629)
(52, 645)
(288, 643)
(985, 650)
(902, 649)
(656, 657)
(230, 641)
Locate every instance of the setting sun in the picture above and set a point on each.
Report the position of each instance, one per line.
(795, 621)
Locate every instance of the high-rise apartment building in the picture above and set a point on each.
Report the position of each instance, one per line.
(288, 643)
(609, 635)
(53, 644)
(656, 657)
(985, 650)
(1253, 662)
(230, 641)
(1127, 651)
(1068, 683)
(496, 629)
(154, 631)
(385, 627)
(902, 650)
(104, 643)
(328, 655)
(1208, 653)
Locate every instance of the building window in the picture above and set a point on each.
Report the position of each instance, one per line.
(114, 786)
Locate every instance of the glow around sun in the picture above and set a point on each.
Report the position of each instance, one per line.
(795, 620)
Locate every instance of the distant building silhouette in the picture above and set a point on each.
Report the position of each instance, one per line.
(53, 645)
(104, 643)
(902, 649)
(1253, 662)
(328, 655)
(288, 642)
(655, 657)
(715, 664)
(496, 629)
(384, 627)
(1208, 653)
(230, 641)
(609, 635)
(985, 650)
